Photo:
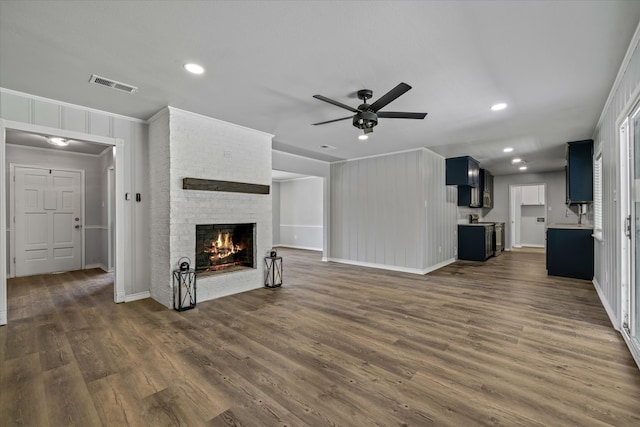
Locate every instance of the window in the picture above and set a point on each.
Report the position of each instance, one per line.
(597, 196)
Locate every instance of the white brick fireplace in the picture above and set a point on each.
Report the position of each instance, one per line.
(188, 145)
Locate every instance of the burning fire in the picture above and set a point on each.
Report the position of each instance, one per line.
(222, 248)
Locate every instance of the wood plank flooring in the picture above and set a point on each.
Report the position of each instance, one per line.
(472, 344)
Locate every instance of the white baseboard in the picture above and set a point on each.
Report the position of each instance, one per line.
(306, 248)
(120, 297)
(97, 265)
(634, 347)
(138, 296)
(3, 317)
(610, 312)
(530, 245)
(420, 271)
(439, 265)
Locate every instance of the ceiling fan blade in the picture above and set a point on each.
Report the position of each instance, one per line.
(336, 103)
(331, 121)
(400, 115)
(390, 96)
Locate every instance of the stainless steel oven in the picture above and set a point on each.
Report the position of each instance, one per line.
(499, 238)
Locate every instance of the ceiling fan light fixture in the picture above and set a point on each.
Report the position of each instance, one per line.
(60, 142)
(523, 168)
(516, 161)
(363, 137)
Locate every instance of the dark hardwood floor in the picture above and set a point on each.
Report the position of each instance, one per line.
(494, 343)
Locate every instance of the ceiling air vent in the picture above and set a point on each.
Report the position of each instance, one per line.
(102, 81)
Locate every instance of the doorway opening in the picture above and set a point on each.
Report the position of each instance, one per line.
(53, 192)
(527, 215)
(299, 204)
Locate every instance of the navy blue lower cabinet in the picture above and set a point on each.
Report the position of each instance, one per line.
(475, 242)
(570, 252)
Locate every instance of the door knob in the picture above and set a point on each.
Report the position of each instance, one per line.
(78, 226)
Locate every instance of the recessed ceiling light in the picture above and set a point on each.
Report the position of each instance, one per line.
(194, 68)
(514, 161)
(363, 137)
(60, 142)
(523, 168)
(508, 150)
(327, 147)
(498, 107)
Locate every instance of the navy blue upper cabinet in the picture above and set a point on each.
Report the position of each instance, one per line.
(580, 171)
(463, 171)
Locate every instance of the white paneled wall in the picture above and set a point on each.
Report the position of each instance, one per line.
(392, 211)
(607, 253)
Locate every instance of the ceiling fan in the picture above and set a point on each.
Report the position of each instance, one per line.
(366, 115)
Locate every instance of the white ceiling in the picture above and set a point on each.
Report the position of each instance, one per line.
(554, 63)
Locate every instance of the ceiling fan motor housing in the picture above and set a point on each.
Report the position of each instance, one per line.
(365, 120)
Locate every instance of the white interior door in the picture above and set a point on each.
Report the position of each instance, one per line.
(48, 220)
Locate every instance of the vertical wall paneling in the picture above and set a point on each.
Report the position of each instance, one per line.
(123, 129)
(75, 119)
(141, 212)
(607, 270)
(15, 107)
(379, 213)
(46, 114)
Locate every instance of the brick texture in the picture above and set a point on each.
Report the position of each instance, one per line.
(183, 144)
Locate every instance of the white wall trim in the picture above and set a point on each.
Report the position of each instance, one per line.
(615, 322)
(95, 227)
(384, 155)
(438, 265)
(49, 150)
(298, 155)
(306, 248)
(138, 296)
(67, 104)
(300, 178)
(621, 71)
(421, 271)
(301, 226)
(3, 317)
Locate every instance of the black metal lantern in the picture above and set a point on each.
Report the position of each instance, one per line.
(184, 286)
(273, 271)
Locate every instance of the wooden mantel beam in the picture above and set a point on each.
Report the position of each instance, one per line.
(228, 186)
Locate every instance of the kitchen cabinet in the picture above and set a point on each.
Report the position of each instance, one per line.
(475, 241)
(532, 195)
(463, 170)
(570, 251)
(579, 171)
(487, 188)
(480, 196)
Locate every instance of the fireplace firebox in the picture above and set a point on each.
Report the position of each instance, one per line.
(222, 248)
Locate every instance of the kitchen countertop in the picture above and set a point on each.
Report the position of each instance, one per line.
(571, 226)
